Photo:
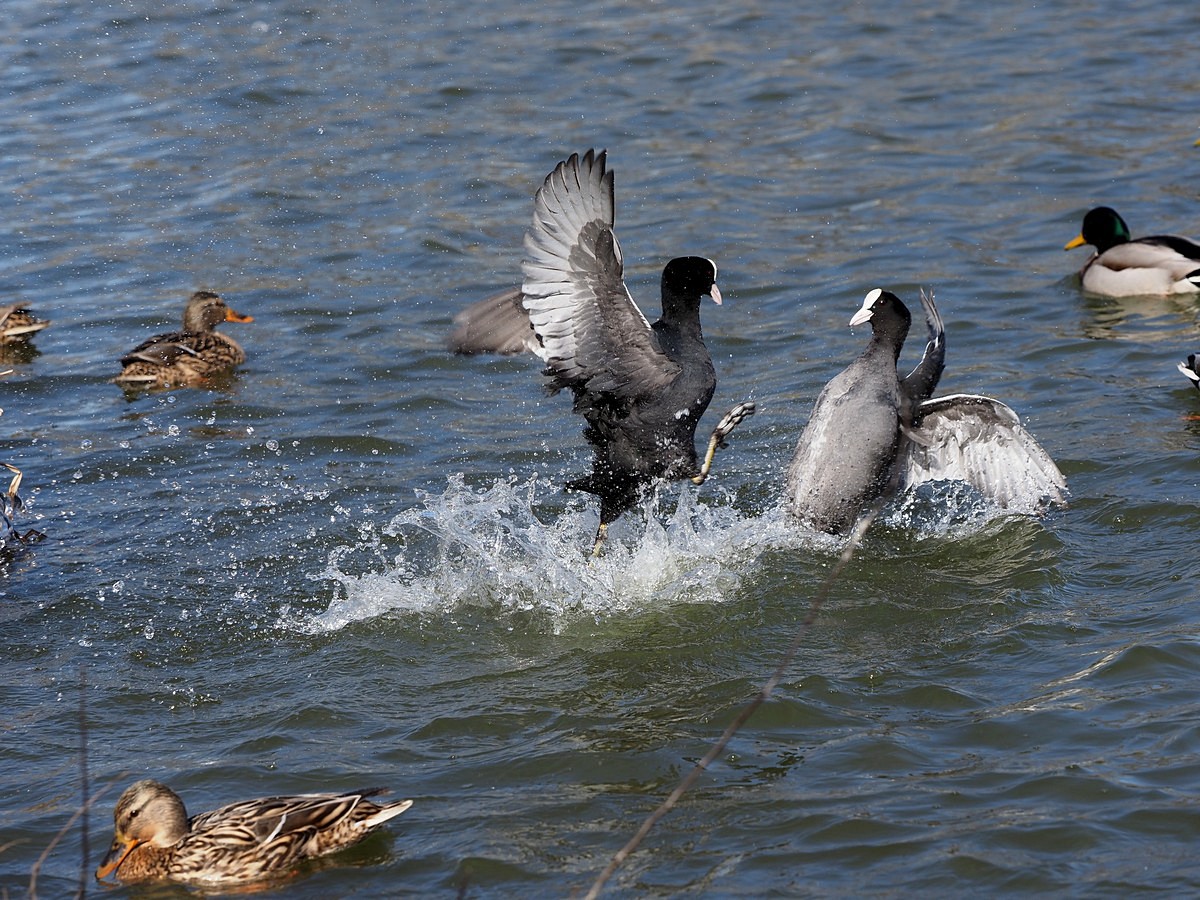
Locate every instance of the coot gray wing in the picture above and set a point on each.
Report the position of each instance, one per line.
(980, 441)
(593, 336)
(495, 324)
(920, 383)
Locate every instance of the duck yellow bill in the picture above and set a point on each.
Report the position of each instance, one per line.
(1077, 242)
(232, 316)
(115, 856)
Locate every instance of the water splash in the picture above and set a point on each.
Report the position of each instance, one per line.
(498, 548)
(953, 510)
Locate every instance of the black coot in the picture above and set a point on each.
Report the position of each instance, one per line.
(873, 433)
(642, 388)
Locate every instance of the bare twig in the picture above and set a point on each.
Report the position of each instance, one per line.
(85, 850)
(85, 806)
(88, 803)
(748, 710)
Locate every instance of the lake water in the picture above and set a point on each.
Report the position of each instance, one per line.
(354, 565)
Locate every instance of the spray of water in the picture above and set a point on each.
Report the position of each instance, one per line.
(499, 548)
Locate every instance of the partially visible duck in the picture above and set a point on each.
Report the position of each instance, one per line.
(642, 388)
(188, 357)
(10, 505)
(18, 324)
(1123, 267)
(247, 843)
(872, 434)
(1191, 369)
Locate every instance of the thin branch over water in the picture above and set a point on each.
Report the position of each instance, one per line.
(748, 710)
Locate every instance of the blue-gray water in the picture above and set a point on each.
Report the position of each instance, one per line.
(354, 566)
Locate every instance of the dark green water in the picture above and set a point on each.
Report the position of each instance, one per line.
(354, 566)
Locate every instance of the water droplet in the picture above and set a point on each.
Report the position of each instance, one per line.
(85, 444)
(272, 445)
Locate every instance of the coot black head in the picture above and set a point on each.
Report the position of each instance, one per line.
(889, 317)
(685, 280)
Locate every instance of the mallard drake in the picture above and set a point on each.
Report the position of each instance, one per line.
(873, 433)
(1122, 267)
(187, 357)
(18, 324)
(642, 388)
(242, 843)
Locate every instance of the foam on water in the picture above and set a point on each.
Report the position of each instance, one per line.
(497, 548)
(953, 509)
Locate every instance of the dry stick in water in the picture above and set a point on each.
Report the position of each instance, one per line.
(85, 804)
(748, 710)
(85, 849)
(88, 804)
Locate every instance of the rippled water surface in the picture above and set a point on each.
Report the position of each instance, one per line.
(353, 564)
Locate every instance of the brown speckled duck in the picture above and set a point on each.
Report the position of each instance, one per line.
(188, 357)
(243, 843)
(18, 324)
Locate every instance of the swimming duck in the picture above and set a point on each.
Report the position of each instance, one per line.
(187, 357)
(242, 843)
(642, 388)
(1121, 267)
(872, 434)
(18, 324)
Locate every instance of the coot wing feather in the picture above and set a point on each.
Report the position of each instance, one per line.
(495, 324)
(920, 383)
(980, 441)
(593, 336)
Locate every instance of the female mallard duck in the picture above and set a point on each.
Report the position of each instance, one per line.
(1121, 267)
(242, 843)
(18, 324)
(188, 357)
